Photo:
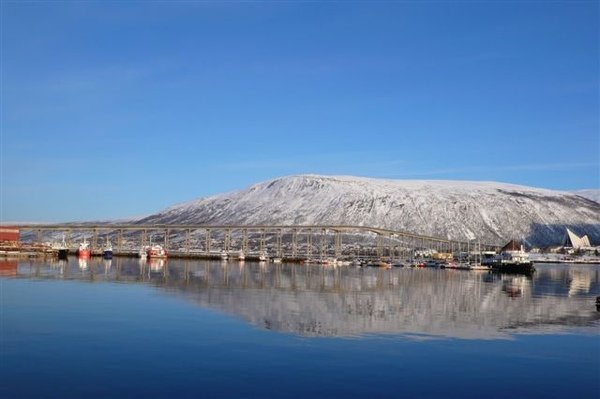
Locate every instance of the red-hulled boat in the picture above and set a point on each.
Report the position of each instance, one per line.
(84, 250)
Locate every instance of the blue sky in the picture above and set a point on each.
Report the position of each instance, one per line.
(113, 109)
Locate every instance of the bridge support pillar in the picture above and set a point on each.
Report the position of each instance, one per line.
(95, 239)
(227, 243)
(309, 244)
(338, 243)
(294, 243)
(279, 241)
(262, 241)
(188, 234)
(379, 245)
(245, 241)
(207, 242)
(322, 243)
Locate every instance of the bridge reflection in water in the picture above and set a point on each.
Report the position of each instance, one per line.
(346, 301)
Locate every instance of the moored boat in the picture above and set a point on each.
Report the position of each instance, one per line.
(513, 260)
(84, 250)
(479, 266)
(143, 252)
(107, 251)
(156, 252)
(61, 249)
(456, 265)
(385, 264)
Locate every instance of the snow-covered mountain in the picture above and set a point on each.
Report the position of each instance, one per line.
(592, 194)
(488, 211)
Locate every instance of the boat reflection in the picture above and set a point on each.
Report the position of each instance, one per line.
(156, 265)
(312, 300)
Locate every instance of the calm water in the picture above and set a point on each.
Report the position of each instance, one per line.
(185, 329)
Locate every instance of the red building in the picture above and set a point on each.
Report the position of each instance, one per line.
(10, 234)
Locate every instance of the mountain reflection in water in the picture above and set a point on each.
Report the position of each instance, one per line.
(346, 301)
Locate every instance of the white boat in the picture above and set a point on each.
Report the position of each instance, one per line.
(156, 252)
(479, 266)
(457, 266)
(241, 255)
(276, 260)
(143, 252)
(224, 255)
(262, 257)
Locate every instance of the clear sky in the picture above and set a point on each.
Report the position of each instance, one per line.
(116, 109)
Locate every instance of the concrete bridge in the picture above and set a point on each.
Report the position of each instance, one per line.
(285, 241)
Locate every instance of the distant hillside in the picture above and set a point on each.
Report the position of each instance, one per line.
(488, 211)
(592, 194)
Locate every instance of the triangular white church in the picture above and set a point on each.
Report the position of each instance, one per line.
(572, 240)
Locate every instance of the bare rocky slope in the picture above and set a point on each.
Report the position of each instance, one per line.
(488, 211)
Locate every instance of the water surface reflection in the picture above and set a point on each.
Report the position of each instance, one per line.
(346, 301)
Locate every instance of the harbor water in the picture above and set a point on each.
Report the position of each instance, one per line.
(187, 329)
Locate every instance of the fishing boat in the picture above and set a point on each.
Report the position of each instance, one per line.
(107, 251)
(84, 250)
(156, 252)
(513, 259)
(61, 249)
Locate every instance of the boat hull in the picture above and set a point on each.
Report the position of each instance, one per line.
(519, 268)
(63, 254)
(84, 253)
(156, 256)
(107, 254)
